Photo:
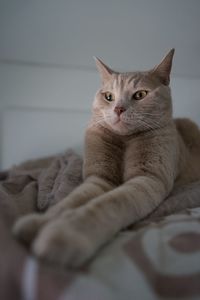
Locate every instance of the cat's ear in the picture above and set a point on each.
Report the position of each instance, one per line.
(164, 68)
(104, 71)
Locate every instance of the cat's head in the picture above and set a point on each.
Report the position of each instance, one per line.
(133, 102)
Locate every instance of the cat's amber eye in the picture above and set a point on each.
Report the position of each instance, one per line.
(140, 95)
(109, 96)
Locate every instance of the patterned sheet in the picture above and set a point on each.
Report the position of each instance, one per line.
(160, 260)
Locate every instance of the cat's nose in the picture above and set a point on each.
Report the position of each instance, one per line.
(119, 110)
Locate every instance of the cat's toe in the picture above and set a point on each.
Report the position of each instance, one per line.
(59, 244)
(27, 227)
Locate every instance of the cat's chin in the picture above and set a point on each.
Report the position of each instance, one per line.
(121, 128)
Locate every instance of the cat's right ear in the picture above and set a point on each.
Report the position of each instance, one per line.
(104, 71)
(164, 68)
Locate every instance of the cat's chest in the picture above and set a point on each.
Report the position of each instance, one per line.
(136, 159)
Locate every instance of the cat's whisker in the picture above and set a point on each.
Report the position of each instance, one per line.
(148, 125)
(101, 119)
(151, 115)
(146, 113)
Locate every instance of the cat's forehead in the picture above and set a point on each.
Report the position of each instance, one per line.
(128, 78)
(132, 80)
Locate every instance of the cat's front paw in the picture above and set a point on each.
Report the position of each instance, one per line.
(27, 227)
(60, 243)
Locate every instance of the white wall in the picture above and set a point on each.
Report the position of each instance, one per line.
(127, 34)
(186, 98)
(43, 110)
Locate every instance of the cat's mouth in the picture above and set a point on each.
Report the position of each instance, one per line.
(121, 127)
(117, 120)
(120, 122)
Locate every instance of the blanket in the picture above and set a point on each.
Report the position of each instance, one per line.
(37, 184)
(155, 259)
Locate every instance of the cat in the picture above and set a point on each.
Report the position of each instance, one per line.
(135, 155)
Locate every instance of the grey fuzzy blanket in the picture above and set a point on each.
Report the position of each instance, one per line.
(37, 184)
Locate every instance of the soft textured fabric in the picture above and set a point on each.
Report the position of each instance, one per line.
(36, 184)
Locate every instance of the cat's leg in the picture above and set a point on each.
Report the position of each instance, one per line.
(102, 172)
(27, 227)
(72, 241)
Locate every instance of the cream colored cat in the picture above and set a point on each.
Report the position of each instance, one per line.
(135, 154)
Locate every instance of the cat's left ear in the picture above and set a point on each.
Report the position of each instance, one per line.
(164, 68)
(105, 71)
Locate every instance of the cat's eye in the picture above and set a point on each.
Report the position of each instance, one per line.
(109, 96)
(140, 94)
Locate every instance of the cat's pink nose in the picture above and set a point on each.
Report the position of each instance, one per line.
(119, 110)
